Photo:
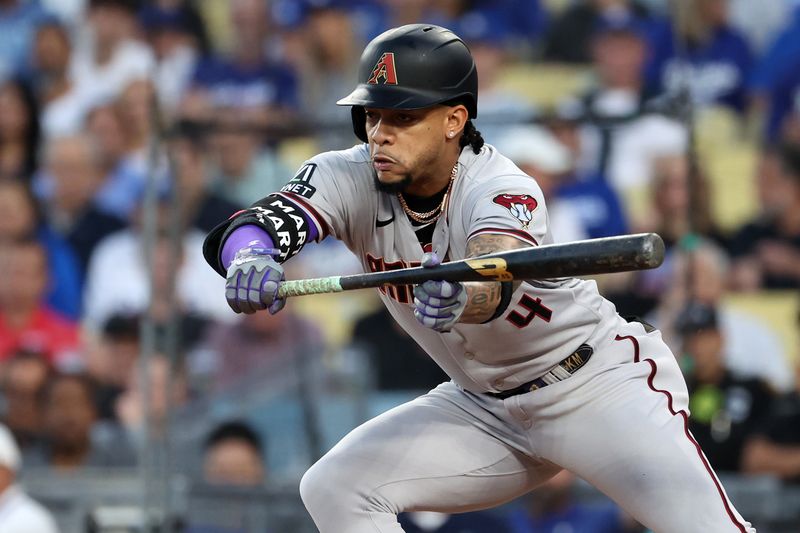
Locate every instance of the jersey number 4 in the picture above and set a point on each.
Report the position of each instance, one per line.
(531, 308)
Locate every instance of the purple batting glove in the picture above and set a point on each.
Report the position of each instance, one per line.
(253, 280)
(438, 304)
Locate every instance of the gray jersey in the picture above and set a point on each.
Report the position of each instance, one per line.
(545, 320)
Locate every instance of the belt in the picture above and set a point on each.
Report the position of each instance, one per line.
(568, 366)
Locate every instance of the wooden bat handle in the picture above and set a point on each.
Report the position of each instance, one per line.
(302, 287)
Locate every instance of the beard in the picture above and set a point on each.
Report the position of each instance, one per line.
(391, 188)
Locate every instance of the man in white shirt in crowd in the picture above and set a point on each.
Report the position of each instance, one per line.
(19, 513)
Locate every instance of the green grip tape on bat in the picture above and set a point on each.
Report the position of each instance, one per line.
(302, 287)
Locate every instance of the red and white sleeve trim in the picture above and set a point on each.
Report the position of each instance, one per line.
(519, 234)
(299, 201)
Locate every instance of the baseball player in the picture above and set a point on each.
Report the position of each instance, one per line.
(545, 374)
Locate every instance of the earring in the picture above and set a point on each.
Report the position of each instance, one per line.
(451, 134)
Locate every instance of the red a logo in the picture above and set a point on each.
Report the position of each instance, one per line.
(384, 68)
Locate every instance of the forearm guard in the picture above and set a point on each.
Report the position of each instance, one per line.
(285, 223)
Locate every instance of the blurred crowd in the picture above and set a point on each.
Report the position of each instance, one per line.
(129, 128)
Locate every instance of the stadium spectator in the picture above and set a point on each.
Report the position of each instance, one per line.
(18, 22)
(246, 87)
(124, 175)
(487, 35)
(19, 513)
(69, 442)
(74, 166)
(112, 361)
(234, 456)
(166, 390)
(666, 211)
(670, 212)
(537, 153)
(63, 107)
(26, 321)
(553, 507)
(709, 56)
(19, 131)
(395, 360)
(201, 207)
(21, 221)
(23, 377)
(776, 79)
(475, 522)
(596, 203)
(177, 36)
(135, 107)
(243, 167)
(774, 449)
(751, 348)
(324, 52)
(626, 133)
(111, 58)
(122, 256)
(569, 39)
(248, 349)
(766, 250)
(169, 309)
(526, 20)
(725, 409)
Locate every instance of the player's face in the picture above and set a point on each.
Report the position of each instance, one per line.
(407, 146)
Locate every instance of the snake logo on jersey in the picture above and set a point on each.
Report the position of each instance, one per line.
(521, 206)
(384, 68)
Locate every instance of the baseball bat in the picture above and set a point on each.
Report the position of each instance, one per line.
(580, 258)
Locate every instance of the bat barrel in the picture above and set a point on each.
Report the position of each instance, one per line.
(579, 258)
(589, 257)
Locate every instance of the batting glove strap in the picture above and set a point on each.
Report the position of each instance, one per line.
(253, 280)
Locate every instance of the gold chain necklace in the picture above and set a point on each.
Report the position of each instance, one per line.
(436, 212)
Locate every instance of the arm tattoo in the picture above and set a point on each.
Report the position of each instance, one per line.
(483, 297)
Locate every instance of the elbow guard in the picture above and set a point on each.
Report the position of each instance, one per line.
(284, 222)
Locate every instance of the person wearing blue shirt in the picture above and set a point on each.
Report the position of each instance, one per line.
(776, 78)
(234, 84)
(712, 57)
(598, 205)
(19, 20)
(552, 508)
(247, 81)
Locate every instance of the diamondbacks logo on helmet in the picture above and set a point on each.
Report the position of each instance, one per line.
(521, 206)
(384, 68)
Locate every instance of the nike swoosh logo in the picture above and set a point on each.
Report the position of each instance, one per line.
(382, 223)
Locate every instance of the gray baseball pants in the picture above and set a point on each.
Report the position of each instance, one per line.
(620, 423)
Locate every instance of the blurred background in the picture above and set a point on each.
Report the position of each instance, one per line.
(135, 400)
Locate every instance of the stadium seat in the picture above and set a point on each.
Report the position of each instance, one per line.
(294, 151)
(777, 309)
(731, 170)
(543, 84)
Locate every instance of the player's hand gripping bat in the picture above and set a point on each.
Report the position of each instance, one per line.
(579, 258)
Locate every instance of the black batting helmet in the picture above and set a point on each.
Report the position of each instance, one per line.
(412, 67)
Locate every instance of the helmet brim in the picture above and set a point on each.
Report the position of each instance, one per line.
(392, 97)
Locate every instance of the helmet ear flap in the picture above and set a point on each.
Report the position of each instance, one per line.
(359, 116)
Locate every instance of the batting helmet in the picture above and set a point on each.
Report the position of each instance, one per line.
(412, 67)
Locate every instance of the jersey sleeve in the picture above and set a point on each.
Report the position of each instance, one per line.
(507, 205)
(319, 189)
